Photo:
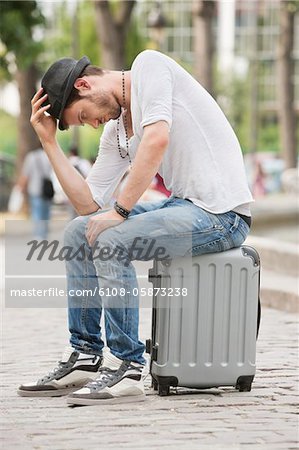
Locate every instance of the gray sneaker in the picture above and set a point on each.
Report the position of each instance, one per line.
(119, 382)
(73, 371)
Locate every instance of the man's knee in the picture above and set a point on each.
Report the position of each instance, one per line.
(74, 229)
(109, 238)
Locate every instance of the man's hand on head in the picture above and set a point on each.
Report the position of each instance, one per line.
(44, 125)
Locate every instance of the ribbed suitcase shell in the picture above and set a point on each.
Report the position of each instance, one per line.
(207, 338)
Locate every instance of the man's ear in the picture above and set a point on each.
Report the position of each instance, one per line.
(82, 84)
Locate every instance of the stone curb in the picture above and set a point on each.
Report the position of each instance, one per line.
(276, 255)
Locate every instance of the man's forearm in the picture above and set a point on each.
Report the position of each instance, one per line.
(146, 165)
(74, 186)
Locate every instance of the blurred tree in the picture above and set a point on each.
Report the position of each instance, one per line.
(112, 25)
(135, 43)
(60, 43)
(203, 12)
(232, 96)
(285, 67)
(19, 22)
(68, 33)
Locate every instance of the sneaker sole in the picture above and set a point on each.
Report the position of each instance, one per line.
(50, 393)
(105, 401)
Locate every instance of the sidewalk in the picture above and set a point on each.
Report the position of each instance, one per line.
(264, 418)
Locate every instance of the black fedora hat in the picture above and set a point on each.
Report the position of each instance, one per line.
(58, 83)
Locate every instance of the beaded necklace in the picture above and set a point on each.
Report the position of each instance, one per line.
(127, 154)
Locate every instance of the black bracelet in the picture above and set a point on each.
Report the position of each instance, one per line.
(121, 210)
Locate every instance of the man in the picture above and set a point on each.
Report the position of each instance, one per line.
(158, 119)
(83, 166)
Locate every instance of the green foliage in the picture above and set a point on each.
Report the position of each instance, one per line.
(58, 34)
(19, 21)
(89, 138)
(293, 6)
(8, 133)
(88, 141)
(233, 97)
(87, 32)
(135, 43)
(59, 43)
(268, 136)
(62, 33)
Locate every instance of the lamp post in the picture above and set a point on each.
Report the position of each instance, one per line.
(156, 23)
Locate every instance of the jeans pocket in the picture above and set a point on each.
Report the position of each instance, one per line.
(243, 228)
(238, 232)
(208, 239)
(218, 245)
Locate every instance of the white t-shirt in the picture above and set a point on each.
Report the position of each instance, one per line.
(203, 161)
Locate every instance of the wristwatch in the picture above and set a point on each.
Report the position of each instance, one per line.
(121, 210)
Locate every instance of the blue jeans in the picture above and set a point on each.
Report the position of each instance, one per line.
(40, 213)
(175, 226)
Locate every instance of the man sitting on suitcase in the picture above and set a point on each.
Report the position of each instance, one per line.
(158, 120)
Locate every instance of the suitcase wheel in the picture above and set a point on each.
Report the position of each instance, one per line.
(163, 390)
(244, 383)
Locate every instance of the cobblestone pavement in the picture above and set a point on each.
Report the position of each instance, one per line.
(264, 418)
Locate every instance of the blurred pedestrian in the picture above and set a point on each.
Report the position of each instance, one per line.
(82, 166)
(36, 173)
(259, 180)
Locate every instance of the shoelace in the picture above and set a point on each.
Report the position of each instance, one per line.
(56, 371)
(105, 376)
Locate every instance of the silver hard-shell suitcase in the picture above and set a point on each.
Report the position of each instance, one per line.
(205, 336)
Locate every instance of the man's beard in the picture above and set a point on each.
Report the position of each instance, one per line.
(103, 101)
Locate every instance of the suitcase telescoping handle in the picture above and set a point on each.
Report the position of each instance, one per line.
(253, 254)
(155, 279)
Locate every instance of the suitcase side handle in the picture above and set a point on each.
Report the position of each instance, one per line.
(251, 253)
